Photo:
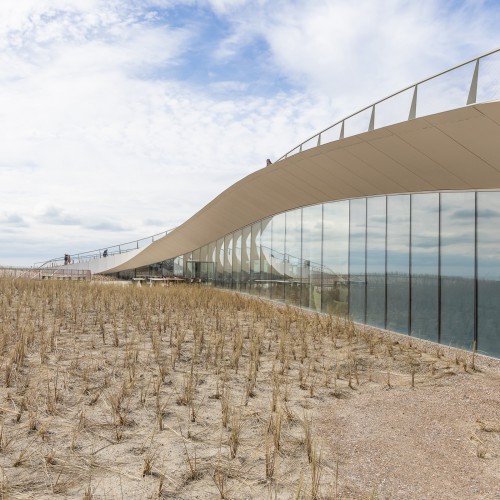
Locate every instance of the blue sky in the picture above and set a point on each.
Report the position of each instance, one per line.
(122, 118)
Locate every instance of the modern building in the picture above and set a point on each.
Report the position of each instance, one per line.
(391, 216)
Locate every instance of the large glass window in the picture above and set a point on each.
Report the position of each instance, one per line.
(425, 266)
(398, 263)
(357, 259)
(312, 229)
(375, 261)
(245, 258)
(293, 259)
(211, 262)
(457, 269)
(266, 241)
(488, 273)
(255, 259)
(228, 261)
(335, 257)
(236, 259)
(278, 257)
(219, 270)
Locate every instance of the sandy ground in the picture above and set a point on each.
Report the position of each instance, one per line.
(192, 393)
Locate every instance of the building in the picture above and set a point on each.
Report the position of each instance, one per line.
(396, 225)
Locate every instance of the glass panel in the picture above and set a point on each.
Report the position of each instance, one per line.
(488, 273)
(335, 257)
(457, 269)
(245, 258)
(203, 262)
(375, 261)
(265, 257)
(236, 259)
(188, 265)
(357, 259)
(219, 265)
(228, 261)
(398, 263)
(211, 263)
(312, 228)
(255, 259)
(278, 257)
(293, 260)
(424, 266)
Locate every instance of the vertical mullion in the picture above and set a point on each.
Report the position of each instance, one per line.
(410, 235)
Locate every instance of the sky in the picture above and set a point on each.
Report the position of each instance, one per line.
(120, 119)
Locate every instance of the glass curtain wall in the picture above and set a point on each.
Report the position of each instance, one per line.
(312, 234)
(335, 284)
(426, 265)
(293, 256)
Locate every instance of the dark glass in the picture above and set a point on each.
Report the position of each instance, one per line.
(335, 279)
(375, 261)
(398, 263)
(245, 258)
(255, 274)
(265, 257)
(236, 259)
(457, 269)
(312, 229)
(357, 259)
(425, 266)
(293, 260)
(488, 274)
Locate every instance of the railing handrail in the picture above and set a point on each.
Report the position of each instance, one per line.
(88, 255)
(372, 105)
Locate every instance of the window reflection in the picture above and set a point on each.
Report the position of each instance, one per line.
(255, 258)
(457, 268)
(236, 259)
(488, 273)
(228, 260)
(375, 261)
(278, 257)
(266, 242)
(293, 256)
(398, 263)
(245, 258)
(335, 257)
(424, 266)
(357, 259)
(312, 220)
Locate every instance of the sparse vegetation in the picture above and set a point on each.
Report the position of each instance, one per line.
(160, 392)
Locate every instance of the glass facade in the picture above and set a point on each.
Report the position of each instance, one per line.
(426, 265)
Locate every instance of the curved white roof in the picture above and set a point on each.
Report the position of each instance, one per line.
(453, 150)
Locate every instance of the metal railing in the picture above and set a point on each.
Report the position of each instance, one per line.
(45, 273)
(104, 251)
(413, 90)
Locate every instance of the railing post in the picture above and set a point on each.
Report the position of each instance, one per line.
(300, 149)
(471, 99)
(371, 126)
(342, 129)
(413, 108)
(319, 139)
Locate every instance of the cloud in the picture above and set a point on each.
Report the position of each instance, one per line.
(57, 216)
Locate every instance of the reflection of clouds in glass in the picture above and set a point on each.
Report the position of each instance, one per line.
(457, 234)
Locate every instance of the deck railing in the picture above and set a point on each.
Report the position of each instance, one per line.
(103, 252)
(464, 84)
